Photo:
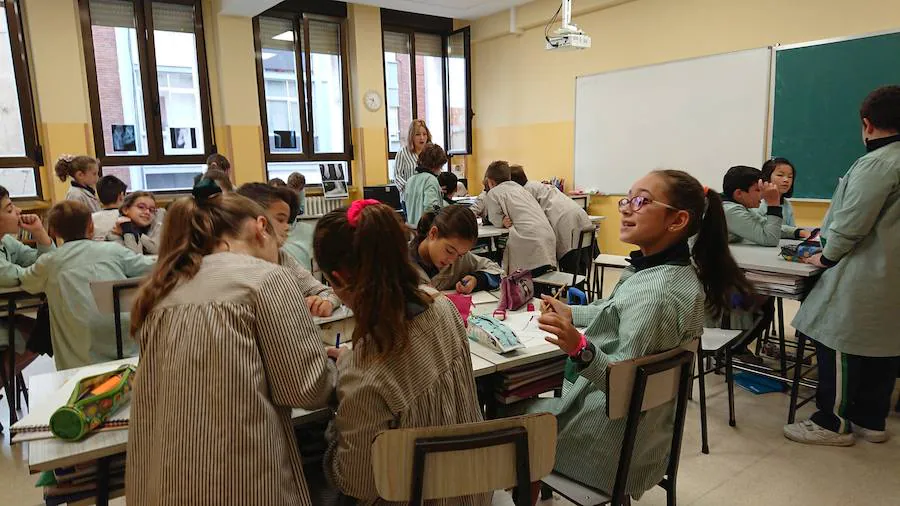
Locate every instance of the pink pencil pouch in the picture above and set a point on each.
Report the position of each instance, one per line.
(463, 304)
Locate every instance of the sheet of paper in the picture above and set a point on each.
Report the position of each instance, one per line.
(341, 313)
(525, 326)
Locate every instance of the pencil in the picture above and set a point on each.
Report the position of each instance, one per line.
(545, 307)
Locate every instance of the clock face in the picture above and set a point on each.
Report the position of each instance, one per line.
(372, 100)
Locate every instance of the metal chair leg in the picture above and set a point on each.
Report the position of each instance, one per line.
(704, 435)
(23, 390)
(729, 379)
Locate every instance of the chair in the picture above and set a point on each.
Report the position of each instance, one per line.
(560, 279)
(111, 297)
(634, 387)
(722, 344)
(419, 464)
(601, 263)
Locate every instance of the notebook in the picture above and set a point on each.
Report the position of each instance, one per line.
(36, 424)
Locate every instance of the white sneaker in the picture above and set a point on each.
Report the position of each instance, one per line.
(872, 436)
(808, 432)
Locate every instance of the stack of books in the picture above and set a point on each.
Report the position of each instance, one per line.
(530, 380)
(777, 284)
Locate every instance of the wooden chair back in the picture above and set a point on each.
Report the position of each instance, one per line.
(457, 460)
(661, 388)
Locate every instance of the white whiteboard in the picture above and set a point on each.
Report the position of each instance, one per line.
(702, 115)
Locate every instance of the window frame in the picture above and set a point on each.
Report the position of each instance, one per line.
(445, 35)
(152, 114)
(302, 58)
(34, 152)
(467, 53)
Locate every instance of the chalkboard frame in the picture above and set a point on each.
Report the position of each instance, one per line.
(770, 128)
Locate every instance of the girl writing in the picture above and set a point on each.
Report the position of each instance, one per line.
(440, 252)
(410, 363)
(253, 343)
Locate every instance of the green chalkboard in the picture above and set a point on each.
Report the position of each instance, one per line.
(818, 91)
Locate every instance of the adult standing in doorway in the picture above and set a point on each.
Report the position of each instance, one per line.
(850, 313)
(407, 158)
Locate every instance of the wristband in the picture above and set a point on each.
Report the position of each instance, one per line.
(581, 345)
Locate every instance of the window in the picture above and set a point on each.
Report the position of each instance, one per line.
(426, 76)
(149, 93)
(20, 153)
(305, 113)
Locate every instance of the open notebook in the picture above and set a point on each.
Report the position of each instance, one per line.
(36, 425)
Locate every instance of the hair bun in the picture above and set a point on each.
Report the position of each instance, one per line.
(204, 190)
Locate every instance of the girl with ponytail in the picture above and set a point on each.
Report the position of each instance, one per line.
(440, 252)
(659, 304)
(226, 338)
(410, 364)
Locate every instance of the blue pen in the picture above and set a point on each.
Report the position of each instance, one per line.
(337, 340)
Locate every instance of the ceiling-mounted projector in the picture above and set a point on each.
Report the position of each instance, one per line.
(567, 36)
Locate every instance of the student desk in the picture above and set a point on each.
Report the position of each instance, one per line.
(491, 231)
(50, 454)
(12, 296)
(515, 358)
(750, 257)
(767, 260)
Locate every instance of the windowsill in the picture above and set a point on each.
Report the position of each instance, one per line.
(33, 204)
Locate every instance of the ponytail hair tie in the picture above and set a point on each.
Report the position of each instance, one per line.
(706, 190)
(204, 190)
(356, 208)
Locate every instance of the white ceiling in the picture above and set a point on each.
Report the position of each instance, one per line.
(458, 9)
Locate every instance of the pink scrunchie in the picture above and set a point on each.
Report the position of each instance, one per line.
(356, 209)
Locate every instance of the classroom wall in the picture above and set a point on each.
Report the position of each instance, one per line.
(53, 37)
(524, 96)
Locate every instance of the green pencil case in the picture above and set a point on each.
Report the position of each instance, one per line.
(92, 402)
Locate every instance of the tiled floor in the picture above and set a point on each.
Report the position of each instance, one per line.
(751, 464)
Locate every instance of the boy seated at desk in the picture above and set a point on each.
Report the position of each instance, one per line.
(282, 206)
(80, 334)
(14, 258)
(743, 188)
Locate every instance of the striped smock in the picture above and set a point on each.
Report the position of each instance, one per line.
(224, 357)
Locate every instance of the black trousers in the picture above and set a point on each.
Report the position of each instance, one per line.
(569, 261)
(853, 389)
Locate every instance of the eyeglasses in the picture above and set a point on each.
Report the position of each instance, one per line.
(639, 201)
(143, 207)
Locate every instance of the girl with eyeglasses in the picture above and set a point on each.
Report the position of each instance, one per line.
(140, 226)
(659, 304)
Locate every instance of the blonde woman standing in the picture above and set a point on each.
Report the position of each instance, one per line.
(408, 157)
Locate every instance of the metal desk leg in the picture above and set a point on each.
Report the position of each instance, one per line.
(600, 291)
(781, 336)
(103, 481)
(12, 393)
